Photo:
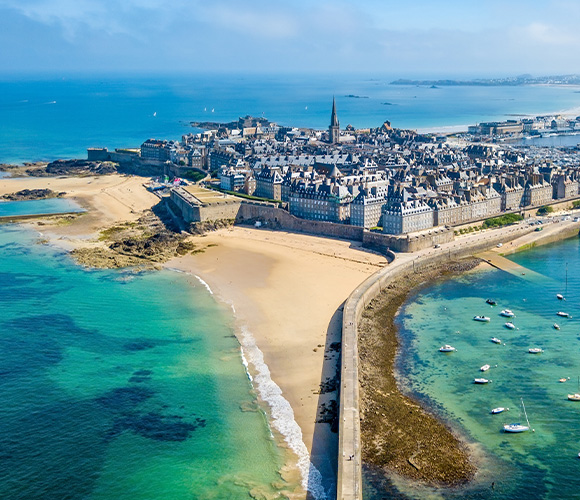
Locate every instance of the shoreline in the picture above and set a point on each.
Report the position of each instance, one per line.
(288, 337)
(431, 452)
(403, 288)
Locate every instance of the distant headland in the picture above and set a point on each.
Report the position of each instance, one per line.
(508, 81)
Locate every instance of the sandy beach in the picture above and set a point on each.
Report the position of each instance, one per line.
(109, 199)
(287, 291)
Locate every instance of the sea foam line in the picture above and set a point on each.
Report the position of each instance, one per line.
(204, 284)
(282, 414)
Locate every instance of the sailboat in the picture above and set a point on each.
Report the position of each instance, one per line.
(559, 296)
(575, 397)
(518, 427)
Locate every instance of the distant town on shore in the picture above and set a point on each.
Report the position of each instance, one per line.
(397, 182)
(507, 81)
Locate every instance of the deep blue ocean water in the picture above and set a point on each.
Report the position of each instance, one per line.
(543, 464)
(50, 118)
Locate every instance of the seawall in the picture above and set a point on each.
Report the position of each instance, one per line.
(349, 476)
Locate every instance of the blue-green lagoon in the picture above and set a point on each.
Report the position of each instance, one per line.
(38, 207)
(539, 464)
(118, 385)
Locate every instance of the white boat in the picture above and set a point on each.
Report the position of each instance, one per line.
(447, 348)
(480, 381)
(535, 350)
(484, 319)
(559, 296)
(563, 314)
(495, 340)
(574, 397)
(518, 427)
(510, 325)
(499, 409)
(507, 313)
(556, 326)
(484, 368)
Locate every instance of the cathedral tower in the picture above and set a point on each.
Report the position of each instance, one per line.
(334, 128)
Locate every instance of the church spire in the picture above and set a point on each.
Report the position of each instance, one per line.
(334, 128)
(333, 117)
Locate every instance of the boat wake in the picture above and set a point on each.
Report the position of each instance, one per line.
(282, 415)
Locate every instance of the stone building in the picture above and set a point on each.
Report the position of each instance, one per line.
(403, 217)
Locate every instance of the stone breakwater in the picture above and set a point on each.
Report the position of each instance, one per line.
(398, 435)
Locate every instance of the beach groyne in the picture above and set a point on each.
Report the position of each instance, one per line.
(349, 476)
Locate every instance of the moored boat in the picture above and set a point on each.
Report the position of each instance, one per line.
(484, 368)
(510, 325)
(495, 340)
(483, 319)
(535, 350)
(517, 427)
(480, 381)
(499, 409)
(556, 326)
(506, 313)
(574, 397)
(563, 314)
(491, 302)
(559, 296)
(447, 348)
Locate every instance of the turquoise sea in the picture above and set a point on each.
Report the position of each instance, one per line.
(116, 385)
(35, 207)
(543, 464)
(45, 118)
(123, 385)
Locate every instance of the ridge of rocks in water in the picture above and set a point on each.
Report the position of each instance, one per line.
(397, 434)
(32, 194)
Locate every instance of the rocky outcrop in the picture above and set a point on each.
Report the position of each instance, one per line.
(74, 168)
(32, 194)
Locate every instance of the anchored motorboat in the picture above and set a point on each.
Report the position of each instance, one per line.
(535, 350)
(510, 325)
(499, 409)
(484, 319)
(447, 348)
(495, 340)
(507, 313)
(480, 381)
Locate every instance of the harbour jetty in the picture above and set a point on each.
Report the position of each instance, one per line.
(349, 482)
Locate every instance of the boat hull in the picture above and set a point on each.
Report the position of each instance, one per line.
(515, 428)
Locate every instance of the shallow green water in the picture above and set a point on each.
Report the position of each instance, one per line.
(122, 386)
(540, 464)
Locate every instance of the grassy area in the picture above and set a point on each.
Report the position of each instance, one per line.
(504, 220)
(243, 195)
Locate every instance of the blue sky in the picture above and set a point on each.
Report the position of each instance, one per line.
(406, 39)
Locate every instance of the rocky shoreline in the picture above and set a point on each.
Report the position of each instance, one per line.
(32, 194)
(398, 436)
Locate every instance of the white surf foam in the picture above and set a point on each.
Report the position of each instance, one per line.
(204, 284)
(282, 414)
(245, 363)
